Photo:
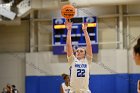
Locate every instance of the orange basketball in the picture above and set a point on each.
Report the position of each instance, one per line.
(68, 11)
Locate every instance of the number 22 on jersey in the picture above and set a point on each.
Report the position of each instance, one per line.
(80, 72)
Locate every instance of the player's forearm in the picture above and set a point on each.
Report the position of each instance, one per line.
(61, 90)
(88, 43)
(69, 44)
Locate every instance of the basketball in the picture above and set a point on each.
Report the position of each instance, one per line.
(68, 11)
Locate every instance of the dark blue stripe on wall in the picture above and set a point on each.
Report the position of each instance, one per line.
(43, 84)
(116, 83)
(133, 82)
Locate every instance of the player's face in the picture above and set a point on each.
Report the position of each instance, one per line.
(80, 53)
(136, 58)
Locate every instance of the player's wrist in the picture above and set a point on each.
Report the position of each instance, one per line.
(84, 30)
(69, 29)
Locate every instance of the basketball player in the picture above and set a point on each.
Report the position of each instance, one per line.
(65, 86)
(79, 62)
(136, 52)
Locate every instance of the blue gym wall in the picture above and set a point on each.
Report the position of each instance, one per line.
(115, 83)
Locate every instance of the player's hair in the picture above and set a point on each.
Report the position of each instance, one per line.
(13, 86)
(64, 76)
(80, 47)
(136, 49)
(138, 41)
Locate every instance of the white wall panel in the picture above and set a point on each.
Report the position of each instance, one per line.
(110, 62)
(107, 32)
(43, 63)
(45, 36)
(134, 29)
(12, 70)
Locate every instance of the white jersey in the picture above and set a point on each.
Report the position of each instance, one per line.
(66, 89)
(79, 74)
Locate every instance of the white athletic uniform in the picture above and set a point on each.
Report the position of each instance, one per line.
(79, 74)
(66, 89)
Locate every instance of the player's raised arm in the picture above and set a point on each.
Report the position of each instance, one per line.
(88, 42)
(68, 39)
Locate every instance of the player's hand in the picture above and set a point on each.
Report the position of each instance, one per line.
(84, 26)
(68, 25)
